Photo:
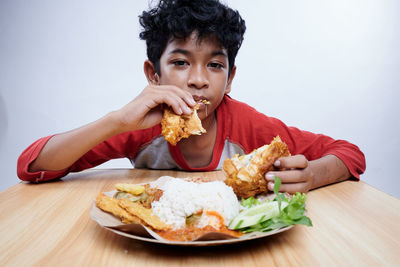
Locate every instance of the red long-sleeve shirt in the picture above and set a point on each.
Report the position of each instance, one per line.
(240, 129)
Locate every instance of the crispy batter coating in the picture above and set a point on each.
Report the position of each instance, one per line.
(146, 215)
(110, 205)
(245, 174)
(134, 189)
(130, 212)
(152, 194)
(175, 127)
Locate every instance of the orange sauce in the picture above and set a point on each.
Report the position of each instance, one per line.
(216, 214)
(191, 232)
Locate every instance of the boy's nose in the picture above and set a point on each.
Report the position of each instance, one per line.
(198, 78)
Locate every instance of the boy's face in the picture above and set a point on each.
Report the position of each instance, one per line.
(201, 68)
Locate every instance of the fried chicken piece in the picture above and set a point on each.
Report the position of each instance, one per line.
(146, 215)
(110, 205)
(175, 127)
(245, 174)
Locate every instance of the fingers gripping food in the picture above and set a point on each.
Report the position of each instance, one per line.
(245, 174)
(175, 127)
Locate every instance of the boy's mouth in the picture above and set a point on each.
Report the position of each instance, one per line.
(203, 103)
(201, 100)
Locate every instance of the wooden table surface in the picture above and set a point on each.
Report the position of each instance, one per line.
(49, 225)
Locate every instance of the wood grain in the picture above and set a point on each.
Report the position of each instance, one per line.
(49, 225)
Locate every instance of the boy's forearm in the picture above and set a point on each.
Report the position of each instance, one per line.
(62, 150)
(327, 170)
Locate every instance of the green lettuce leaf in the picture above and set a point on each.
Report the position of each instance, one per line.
(249, 202)
(292, 214)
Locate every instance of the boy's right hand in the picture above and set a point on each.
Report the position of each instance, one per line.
(146, 109)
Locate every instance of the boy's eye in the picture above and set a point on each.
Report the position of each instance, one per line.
(179, 63)
(216, 65)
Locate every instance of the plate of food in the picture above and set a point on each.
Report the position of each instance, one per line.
(203, 212)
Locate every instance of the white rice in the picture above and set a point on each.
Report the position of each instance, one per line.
(182, 198)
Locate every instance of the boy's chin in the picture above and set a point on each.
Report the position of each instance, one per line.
(203, 114)
(204, 111)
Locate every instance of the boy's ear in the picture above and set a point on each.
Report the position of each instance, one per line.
(150, 72)
(230, 79)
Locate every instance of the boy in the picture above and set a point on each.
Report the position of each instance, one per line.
(191, 48)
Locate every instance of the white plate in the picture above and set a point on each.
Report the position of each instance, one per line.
(140, 232)
(205, 242)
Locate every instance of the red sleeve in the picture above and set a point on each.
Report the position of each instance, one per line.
(28, 156)
(252, 129)
(119, 146)
(314, 146)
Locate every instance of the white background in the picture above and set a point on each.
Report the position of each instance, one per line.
(330, 67)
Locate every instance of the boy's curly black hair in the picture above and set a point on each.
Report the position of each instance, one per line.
(180, 18)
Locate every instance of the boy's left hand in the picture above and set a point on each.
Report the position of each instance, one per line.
(294, 172)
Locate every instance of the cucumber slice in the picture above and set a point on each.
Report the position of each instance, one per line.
(125, 195)
(256, 214)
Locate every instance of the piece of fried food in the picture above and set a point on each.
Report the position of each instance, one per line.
(245, 174)
(134, 189)
(110, 205)
(175, 127)
(146, 215)
(130, 212)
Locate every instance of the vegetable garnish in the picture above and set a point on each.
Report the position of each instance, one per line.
(249, 202)
(270, 215)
